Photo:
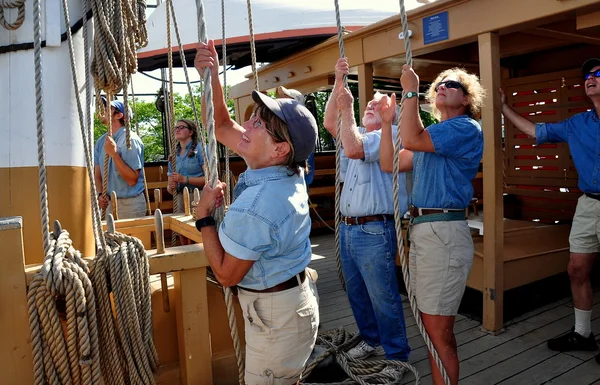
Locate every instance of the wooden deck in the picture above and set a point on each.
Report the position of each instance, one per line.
(517, 356)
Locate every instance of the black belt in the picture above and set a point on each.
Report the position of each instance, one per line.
(593, 196)
(416, 212)
(290, 283)
(370, 218)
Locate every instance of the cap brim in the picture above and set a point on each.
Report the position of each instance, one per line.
(589, 64)
(270, 103)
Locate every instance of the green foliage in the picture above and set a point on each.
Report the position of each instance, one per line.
(149, 122)
(427, 118)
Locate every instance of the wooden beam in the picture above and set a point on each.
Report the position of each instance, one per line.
(195, 361)
(565, 36)
(589, 20)
(493, 220)
(15, 351)
(365, 87)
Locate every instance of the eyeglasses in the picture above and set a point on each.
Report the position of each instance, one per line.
(181, 127)
(256, 122)
(451, 84)
(595, 74)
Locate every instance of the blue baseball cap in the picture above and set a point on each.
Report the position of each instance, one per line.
(300, 123)
(117, 105)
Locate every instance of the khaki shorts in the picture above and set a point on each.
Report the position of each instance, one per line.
(281, 331)
(585, 231)
(179, 199)
(440, 259)
(134, 207)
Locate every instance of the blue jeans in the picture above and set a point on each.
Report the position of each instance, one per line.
(368, 254)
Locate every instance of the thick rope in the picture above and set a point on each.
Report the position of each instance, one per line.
(336, 343)
(338, 149)
(398, 215)
(252, 45)
(19, 5)
(212, 163)
(137, 131)
(225, 91)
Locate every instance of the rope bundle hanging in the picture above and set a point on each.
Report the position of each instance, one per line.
(59, 359)
(398, 215)
(19, 5)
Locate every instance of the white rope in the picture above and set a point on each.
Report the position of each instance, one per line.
(212, 179)
(252, 45)
(398, 215)
(19, 5)
(226, 92)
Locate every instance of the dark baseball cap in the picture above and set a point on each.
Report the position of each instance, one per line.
(117, 105)
(300, 123)
(586, 68)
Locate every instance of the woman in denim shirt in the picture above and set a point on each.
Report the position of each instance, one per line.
(444, 158)
(189, 162)
(263, 244)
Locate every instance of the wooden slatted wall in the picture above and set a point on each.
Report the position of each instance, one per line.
(541, 179)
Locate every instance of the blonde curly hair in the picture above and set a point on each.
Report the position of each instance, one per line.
(475, 92)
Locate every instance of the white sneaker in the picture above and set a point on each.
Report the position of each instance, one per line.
(364, 350)
(394, 371)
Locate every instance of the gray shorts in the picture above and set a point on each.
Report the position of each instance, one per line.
(440, 259)
(585, 231)
(134, 207)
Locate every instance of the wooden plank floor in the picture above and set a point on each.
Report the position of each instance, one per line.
(518, 356)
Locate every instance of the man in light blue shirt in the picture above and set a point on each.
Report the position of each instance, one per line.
(125, 167)
(582, 133)
(367, 232)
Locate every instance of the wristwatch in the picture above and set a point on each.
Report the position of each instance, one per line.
(203, 222)
(411, 94)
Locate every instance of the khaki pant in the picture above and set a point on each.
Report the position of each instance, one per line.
(281, 330)
(134, 207)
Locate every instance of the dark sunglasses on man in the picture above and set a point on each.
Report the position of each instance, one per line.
(450, 84)
(596, 75)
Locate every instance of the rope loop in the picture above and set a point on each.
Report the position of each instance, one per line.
(19, 5)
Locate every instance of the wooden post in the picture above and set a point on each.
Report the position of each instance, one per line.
(493, 218)
(16, 358)
(365, 87)
(157, 199)
(186, 201)
(191, 308)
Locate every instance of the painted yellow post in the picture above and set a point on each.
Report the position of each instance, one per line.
(493, 220)
(16, 361)
(365, 86)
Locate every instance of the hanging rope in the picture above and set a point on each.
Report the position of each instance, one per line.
(226, 91)
(338, 149)
(19, 5)
(137, 131)
(212, 179)
(63, 277)
(398, 215)
(252, 45)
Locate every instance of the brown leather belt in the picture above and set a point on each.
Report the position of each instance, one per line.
(290, 283)
(348, 221)
(416, 212)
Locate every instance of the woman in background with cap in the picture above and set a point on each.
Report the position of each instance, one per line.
(263, 244)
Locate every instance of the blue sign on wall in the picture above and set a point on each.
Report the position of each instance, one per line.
(435, 28)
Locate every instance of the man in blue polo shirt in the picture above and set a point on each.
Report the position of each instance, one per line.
(125, 174)
(582, 133)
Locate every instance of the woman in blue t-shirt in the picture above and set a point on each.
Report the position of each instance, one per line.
(188, 160)
(444, 158)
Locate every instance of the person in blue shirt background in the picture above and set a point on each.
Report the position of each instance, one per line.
(444, 158)
(125, 167)
(283, 92)
(189, 161)
(582, 133)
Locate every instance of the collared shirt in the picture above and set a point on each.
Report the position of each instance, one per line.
(268, 223)
(188, 166)
(582, 133)
(134, 159)
(443, 179)
(368, 190)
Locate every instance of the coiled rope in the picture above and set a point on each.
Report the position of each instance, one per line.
(19, 5)
(212, 179)
(398, 215)
(63, 277)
